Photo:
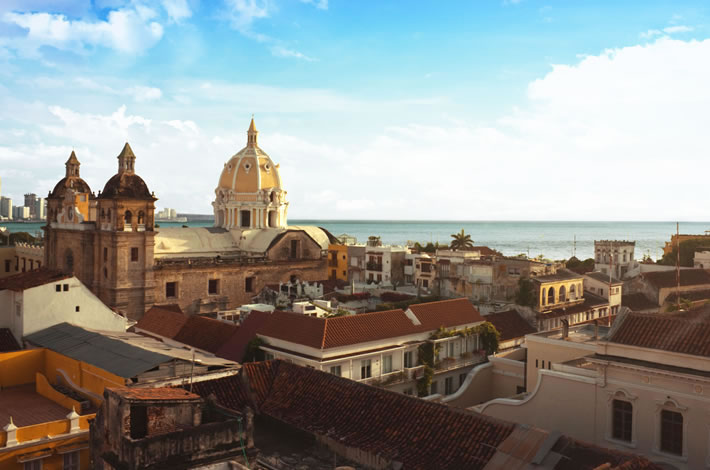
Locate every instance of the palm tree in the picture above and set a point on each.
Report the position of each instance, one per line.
(461, 241)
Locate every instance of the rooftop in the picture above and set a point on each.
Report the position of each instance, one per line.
(205, 333)
(155, 394)
(7, 341)
(638, 302)
(235, 347)
(510, 324)
(395, 427)
(601, 277)
(688, 277)
(561, 275)
(162, 321)
(30, 279)
(26, 407)
(577, 334)
(324, 333)
(685, 333)
(125, 354)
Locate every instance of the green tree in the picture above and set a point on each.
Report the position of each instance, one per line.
(687, 253)
(254, 353)
(526, 293)
(489, 337)
(461, 241)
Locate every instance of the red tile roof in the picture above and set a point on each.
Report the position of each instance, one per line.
(30, 279)
(161, 393)
(205, 333)
(162, 321)
(392, 426)
(7, 341)
(638, 302)
(235, 347)
(510, 324)
(686, 333)
(324, 333)
(28, 407)
(688, 277)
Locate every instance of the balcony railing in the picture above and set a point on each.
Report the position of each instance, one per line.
(466, 359)
(374, 266)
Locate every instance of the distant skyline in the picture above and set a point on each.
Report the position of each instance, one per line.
(489, 110)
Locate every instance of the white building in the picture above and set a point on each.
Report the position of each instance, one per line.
(36, 300)
(314, 308)
(381, 348)
(702, 259)
(384, 264)
(600, 284)
(6, 207)
(21, 213)
(616, 256)
(643, 387)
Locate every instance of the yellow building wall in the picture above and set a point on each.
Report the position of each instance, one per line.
(20, 367)
(542, 301)
(82, 374)
(341, 266)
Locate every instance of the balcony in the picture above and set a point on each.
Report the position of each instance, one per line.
(333, 263)
(466, 359)
(371, 266)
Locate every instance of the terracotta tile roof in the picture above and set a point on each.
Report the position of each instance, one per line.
(30, 279)
(578, 455)
(205, 333)
(395, 427)
(638, 302)
(162, 321)
(28, 407)
(324, 333)
(7, 341)
(161, 393)
(688, 277)
(693, 295)
(510, 324)
(235, 347)
(687, 333)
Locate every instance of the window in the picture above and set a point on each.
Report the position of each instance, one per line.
(448, 386)
(65, 287)
(451, 349)
(434, 387)
(536, 364)
(387, 364)
(425, 283)
(33, 465)
(170, 289)
(105, 254)
(293, 253)
(409, 359)
(213, 286)
(7, 265)
(245, 218)
(58, 287)
(409, 391)
(345, 273)
(134, 254)
(365, 369)
(672, 432)
(336, 370)
(76, 309)
(249, 284)
(71, 461)
(462, 379)
(621, 420)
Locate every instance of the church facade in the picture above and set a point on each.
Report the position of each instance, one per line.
(111, 243)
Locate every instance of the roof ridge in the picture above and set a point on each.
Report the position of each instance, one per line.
(325, 332)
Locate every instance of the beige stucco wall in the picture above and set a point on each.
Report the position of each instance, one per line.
(551, 351)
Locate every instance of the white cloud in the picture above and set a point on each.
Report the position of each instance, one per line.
(280, 51)
(178, 10)
(125, 30)
(320, 4)
(651, 33)
(139, 93)
(677, 29)
(242, 13)
(144, 93)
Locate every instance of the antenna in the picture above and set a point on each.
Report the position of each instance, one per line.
(677, 263)
(611, 270)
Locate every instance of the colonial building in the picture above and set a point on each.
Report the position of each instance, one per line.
(110, 241)
(617, 257)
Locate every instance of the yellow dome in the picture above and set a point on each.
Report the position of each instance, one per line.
(249, 170)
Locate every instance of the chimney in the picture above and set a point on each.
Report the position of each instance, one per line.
(565, 328)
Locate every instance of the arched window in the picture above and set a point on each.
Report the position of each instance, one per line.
(563, 294)
(141, 218)
(128, 217)
(572, 292)
(551, 296)
(272, 196)
(69, 261)
(103, 214)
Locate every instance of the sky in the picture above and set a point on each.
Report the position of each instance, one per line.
(392, 110)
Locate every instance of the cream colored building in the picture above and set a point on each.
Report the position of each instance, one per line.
(19, 258)
(643, 386)
(380, 348)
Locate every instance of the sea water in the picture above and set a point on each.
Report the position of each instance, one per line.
(554, 240)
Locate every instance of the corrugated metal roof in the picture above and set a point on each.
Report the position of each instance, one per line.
(111, 355)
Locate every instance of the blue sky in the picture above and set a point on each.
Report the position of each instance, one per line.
(378, 110)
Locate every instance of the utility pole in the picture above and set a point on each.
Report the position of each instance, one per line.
(611, 270)
(677, 262)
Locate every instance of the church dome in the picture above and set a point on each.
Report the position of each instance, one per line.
(250, 170)
(71, 180)
(126, 184)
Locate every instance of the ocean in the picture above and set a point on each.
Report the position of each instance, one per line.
(554, 240)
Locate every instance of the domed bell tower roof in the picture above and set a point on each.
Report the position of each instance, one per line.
(71, 179)
(126, 184)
